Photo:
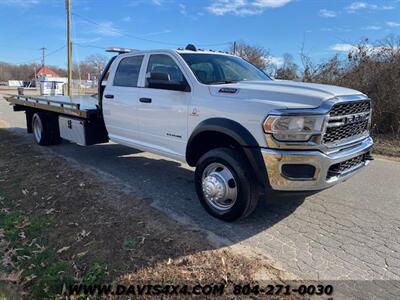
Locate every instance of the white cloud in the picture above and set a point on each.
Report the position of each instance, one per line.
(370, 49)
(393, 24)
(274, 60)
(270, 3)
(157, 2)
(107, 29)
(335, 29)
(21, 3)
(127, 19)
(343, 47)
(143, 2)
(325, 13)
(244, 7)
(156, 33)
(372, 27)
(183, 9)
(356, 6)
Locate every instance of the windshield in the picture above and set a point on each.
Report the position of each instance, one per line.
(219, 69)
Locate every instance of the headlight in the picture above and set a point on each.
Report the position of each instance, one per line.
(294, 128)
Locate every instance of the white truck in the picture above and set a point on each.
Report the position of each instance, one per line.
(245, 133)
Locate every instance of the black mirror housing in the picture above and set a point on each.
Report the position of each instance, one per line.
(162, 81)
(159, 76)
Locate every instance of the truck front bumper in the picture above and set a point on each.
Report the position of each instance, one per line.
(329, 169)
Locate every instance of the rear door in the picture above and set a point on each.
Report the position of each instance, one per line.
(120, 99)
(163, 114)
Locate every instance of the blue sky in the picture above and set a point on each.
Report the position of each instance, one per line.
(324, 27)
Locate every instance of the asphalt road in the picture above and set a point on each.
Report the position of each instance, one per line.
(351, 231)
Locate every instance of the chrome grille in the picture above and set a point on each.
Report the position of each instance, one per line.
(346, 120)
(344, 109)
(334, 134)
(347, 165)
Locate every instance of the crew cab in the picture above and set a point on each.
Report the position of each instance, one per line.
(245, 133)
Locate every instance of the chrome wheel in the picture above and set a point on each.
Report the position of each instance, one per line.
(37, 129)
(219, 187)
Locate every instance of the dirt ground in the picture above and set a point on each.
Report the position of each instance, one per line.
(388, 146)
(61, 224)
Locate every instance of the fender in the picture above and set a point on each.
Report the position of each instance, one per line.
(242, 136)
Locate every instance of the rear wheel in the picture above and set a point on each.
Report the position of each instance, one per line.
(225, 184)
(45, 129)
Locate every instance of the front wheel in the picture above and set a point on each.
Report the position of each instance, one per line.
(225, 184)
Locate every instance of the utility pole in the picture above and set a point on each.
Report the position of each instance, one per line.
(234, 48)
(69, 46)
(43, 49)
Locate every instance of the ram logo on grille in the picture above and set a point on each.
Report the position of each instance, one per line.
(355, 118)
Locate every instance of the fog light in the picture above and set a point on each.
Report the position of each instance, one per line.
(295, 171)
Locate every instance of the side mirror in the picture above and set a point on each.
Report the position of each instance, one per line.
(162, 81)
(158, 76)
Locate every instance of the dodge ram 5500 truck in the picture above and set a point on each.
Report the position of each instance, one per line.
(244, 132)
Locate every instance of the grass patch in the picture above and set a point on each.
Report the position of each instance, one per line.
(131, 244)
(39, 267)
(96, 274)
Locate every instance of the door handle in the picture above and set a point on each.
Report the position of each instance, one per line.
(145, 100)
(109, 96)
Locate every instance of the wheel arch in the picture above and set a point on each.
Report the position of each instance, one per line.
(222, 132)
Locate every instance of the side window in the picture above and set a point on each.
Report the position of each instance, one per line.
(127, 73)
(161, 63)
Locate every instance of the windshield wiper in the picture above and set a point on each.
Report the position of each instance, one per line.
(224, 82)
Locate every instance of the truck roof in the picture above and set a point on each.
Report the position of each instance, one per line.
(190, 49)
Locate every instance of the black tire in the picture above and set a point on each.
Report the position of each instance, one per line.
(247, 194)
(45, 129)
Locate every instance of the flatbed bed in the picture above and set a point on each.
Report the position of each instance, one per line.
(79, 106)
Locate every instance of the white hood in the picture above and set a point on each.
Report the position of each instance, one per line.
(289, 94)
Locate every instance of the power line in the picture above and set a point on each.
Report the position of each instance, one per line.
(40, 58)
(125, 34)
(89, 46)
(145, 39)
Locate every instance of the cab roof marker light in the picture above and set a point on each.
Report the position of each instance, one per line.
(119, 50)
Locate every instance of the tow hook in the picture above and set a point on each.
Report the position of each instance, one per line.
(368, 157)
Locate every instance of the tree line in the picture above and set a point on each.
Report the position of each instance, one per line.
(92, 65)
(373, 69)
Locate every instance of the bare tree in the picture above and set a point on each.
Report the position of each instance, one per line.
(373, 69)
(289, 69)
(98, 62)
(92, 66)
(256, 55)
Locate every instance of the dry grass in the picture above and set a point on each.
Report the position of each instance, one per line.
(69, 226)
(387, 145)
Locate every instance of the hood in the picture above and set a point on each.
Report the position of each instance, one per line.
(289, 94)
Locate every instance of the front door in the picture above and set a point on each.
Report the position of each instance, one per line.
(163, 113)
